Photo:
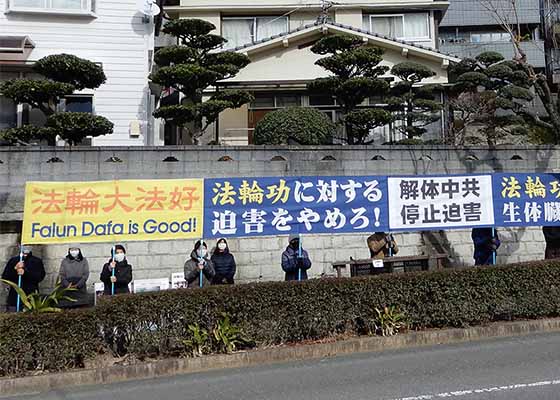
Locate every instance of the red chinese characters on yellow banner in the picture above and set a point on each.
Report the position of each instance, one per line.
(110, 211)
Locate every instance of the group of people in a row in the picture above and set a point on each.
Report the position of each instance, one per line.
(215, 268)
(218, 267)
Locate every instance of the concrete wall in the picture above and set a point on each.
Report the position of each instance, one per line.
(259, 258)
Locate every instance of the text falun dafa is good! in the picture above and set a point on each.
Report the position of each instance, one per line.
(108, 211)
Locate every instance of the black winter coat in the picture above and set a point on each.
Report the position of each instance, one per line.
(34, 273)
(123, 273)
(224, 265)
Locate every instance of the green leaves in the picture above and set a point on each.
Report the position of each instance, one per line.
(40, 93)
(191, 68)
(188, 28)
(75, 126)
(70, 69)
(334, 44)
(412, 72)
(363, 121)
(306, 126)
(38, 303)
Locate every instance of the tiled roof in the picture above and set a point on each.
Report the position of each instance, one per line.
(348, 27)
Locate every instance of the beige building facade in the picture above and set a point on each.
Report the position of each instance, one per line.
(278, 35)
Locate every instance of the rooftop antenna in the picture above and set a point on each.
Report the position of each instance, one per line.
(326, 5)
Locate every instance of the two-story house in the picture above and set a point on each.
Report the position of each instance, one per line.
(112, 33)
(277, 36)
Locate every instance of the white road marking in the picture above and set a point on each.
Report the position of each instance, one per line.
(469, 392)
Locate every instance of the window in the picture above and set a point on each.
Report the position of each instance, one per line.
(321, 101)
(78, 104)
(270, 100)
(8, 109)
(79, 6)
(401, 26)
(245, 30)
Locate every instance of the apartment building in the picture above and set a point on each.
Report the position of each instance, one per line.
(113, 33)
(471, 27)
(277, 36)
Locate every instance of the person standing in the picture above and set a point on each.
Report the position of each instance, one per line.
(486, 242)
(74, 273)
(224, 264)
(31, 270)
(293, 262)
(552, 239)
(122, 272)
(198, 262)
(382, 245)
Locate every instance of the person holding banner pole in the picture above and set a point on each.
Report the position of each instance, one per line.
(27, 271)
(199, 268)
(486, 243)
(295, 260)
(117, 273)
(382, 245)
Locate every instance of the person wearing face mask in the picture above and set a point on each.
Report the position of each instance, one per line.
(224, 264)
(123, 272)
(74, 272)
(31, 270)
(197, 262)
(293, 261)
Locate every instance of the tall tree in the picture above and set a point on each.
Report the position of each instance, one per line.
(500, 91)
(414, 106)
(63, 75)
(356, 76)
(191, 68)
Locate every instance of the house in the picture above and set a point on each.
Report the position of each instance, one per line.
(277, 36)
(112, 33)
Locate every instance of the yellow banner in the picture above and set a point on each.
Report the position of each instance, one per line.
(112, 211)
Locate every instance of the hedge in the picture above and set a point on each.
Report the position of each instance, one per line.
(156, 324)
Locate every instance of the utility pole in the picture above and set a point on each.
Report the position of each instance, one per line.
(545, 12)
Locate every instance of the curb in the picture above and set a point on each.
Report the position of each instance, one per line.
(177, 366)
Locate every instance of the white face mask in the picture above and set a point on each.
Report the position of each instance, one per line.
(119, 257)
(74, 253)
(202, 252)
(222, 246)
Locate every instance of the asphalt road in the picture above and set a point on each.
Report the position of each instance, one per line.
(525, 368)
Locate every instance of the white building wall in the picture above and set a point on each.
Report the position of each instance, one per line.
(114, 36)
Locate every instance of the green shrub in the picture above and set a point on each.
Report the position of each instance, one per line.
(302, 125)
(161, 323)
(45, 342)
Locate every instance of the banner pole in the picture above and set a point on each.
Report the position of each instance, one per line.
(113, 270)
(493, 249)
(201, 259)
(18, 301)
(390, 245)
(299, 256)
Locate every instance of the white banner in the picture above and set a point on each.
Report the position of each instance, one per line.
(431, 202)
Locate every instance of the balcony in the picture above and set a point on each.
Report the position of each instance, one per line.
(534, 50)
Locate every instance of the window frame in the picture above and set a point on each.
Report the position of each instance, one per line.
(254, 38)
(48, 9)
(403, 17)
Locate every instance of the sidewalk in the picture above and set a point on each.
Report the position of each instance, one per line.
(169, 367)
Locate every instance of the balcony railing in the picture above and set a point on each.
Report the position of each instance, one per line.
(534, 50)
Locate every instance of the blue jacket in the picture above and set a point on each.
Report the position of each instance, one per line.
(290, 264)
(484, 246)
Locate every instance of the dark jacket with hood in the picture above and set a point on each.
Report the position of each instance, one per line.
(291, 263)
(123, 273)
(484, 245)
(224, 266)
(74, 271)
(34, 273)
(192, 272)
(552, 235)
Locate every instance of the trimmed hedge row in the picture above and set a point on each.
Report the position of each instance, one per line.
(156, 324)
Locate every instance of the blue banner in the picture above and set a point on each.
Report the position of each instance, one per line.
(287, 205)
(526, 199)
